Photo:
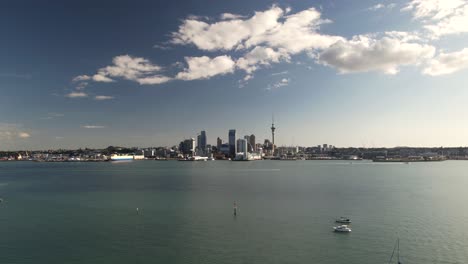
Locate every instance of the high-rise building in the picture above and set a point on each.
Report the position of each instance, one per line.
(219, 142)
(242, 145)
(252, 143)
(232, 143)
(198, 142)
(224, 149)
(187, 147)
(203, 140)
(247, 138)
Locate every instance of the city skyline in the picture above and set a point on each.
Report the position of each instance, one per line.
(374, 74)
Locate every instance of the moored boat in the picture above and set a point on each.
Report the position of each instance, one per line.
(342, 229)
(343, 220)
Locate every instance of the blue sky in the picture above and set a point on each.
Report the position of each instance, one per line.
(150, 73)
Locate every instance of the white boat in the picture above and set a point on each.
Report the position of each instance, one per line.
(199, 158)
(194, 158)
(343, 220)
(342, 228)
(117, 157)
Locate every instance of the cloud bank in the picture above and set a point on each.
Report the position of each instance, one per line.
(440, 17)
(10, 132)
(447, 63)
(248, 43)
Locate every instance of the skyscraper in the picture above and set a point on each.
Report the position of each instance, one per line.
(187, 147)
(219, 142)
(247, 139)
(199, 142)
(203, 141)
(232, 143)
(242, 146)
(252, 143)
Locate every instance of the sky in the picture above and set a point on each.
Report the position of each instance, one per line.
(364, 73)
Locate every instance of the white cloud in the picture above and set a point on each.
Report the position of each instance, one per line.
(363, 54)
(279, 73)
(103, 97)
(23, 135)
(100, 77)
(455, 24)
(298, 32)
(92, 126)
(161, 47)
(447, 63)
(404, 36)
(156, 79)
(270, 36)
(441, 17)
(135, 69)
(205, 67)
(229, 16)
(382, 6)
(433, 9)
(281, 83)
(377, 7)
(9, 132)
(128, 67)
(225, 35)
(275, 35)
(52, 116)
(80, 78)
(81, 85)
(261, 56)
(76, 95)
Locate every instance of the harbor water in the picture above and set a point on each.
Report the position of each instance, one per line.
(83, 212)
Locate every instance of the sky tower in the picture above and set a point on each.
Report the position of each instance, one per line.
(273, 135)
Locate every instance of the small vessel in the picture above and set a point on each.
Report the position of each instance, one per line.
(343, 220)
(397, 248)
(194, 158)
(342, 229)
(117, 157)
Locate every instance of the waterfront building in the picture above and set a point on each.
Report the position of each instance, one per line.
(203, 140)
(224, 149)
(219, 142)
(149, 153)
(252, 143)
(232, 143)
(242, 145)
(201, 143)
(249, 148)
(187, 147)
(267, 146)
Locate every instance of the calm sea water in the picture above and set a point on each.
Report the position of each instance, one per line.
(86, 212)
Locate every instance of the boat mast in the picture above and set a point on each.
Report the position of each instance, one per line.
(393, 252)
(398, 251)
